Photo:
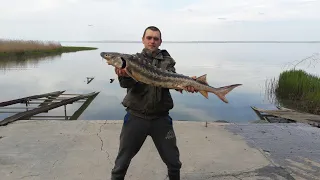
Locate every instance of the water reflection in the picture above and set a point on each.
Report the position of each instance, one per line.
(24, 62)
(224, 64)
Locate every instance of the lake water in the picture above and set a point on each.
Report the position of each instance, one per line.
(224, 63)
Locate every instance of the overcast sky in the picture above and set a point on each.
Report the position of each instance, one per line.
(65, 20)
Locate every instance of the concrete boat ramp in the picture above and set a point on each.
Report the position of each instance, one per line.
(82, 149)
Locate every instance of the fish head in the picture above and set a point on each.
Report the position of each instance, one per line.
(113, 59)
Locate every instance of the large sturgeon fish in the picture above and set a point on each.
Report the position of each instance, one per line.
(144, 72)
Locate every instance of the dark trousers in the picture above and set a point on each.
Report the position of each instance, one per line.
(133, 134)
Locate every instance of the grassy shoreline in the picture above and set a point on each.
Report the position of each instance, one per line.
(10, 48)
(298, 90)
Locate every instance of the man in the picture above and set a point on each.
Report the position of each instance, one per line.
(148, 112)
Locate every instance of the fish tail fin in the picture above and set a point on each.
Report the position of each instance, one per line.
(221, 92)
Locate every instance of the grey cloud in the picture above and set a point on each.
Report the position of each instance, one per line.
(125, 20)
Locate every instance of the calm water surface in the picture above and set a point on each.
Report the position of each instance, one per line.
(224, 64)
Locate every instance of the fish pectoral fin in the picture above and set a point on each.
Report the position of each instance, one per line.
(136, 75)
(130, 74)
(205, 94)
(202, 79)
(182, 88)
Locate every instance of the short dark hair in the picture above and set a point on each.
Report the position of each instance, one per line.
(153, 28)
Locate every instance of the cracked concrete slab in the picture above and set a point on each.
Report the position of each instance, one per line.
(85, 149)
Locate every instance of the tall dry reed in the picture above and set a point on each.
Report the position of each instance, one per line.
(9, 46)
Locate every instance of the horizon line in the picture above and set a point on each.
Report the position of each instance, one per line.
(196, 41)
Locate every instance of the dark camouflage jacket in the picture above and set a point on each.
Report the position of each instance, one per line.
(144, 100)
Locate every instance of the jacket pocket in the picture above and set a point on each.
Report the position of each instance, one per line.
(167, 101)
(136, 99)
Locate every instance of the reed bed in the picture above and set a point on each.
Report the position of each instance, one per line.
(31, 47)
(297, 89)
(19, 45)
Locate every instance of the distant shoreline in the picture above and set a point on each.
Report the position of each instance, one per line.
(119, 41)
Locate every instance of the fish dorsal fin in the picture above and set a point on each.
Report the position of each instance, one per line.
(202, 79)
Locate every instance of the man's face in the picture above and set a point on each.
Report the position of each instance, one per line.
(152, 40)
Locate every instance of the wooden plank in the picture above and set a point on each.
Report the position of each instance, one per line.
(49, 100)
(49, 116)
(293, 115)
(258, 113)
(1, 108)
(84, 106)
(28, 114)
(23, 100)
(269, 117)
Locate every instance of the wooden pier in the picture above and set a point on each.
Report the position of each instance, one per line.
(43, 103)
(285, 115)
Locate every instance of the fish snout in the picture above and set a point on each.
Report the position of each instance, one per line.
(106, 57)
(103, 54)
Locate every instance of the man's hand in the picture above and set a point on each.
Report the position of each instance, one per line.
(190, 88)
(121, 72)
